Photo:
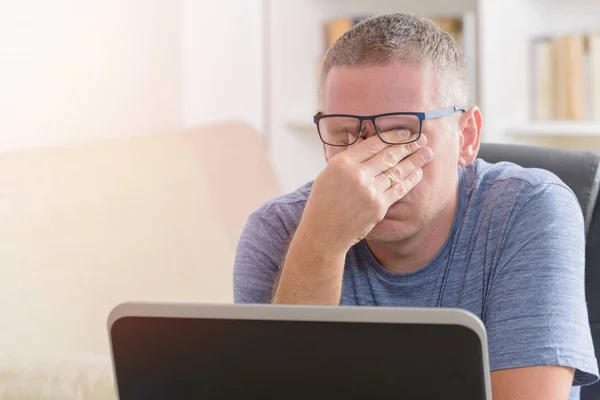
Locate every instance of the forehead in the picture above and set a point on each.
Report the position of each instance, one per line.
(378, 89)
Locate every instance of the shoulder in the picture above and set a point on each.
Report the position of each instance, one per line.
(514, 202)
(484, 175)
(508, 183)
(283, 213)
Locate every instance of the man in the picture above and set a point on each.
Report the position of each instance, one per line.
(404, 214)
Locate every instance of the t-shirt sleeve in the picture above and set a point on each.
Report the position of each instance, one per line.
(536, 312)
(258, 258)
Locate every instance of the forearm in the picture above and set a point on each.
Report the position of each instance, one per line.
(547, 382)
(311, 274)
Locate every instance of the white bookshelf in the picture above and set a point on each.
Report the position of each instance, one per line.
(502, 29)
(505, 69)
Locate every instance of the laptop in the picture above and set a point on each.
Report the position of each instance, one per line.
(228, 351)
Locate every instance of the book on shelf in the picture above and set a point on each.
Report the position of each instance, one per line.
(545, 85)
(594, 72)
(565, 77)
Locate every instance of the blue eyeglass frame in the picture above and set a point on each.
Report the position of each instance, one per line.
(421, 115)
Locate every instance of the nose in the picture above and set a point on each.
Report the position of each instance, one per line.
(367, 129)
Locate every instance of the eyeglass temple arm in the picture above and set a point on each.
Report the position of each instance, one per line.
(444, 112)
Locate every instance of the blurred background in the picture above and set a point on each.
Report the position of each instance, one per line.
(137, 135)
(79, 71)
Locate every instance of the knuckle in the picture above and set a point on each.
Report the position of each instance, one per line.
(372, 194)
(357, 177)
(401, 188)
(405, 151)
(342, 159)
(341, 162)
(415, 160)
(372, 144)
(415, 177)
(414, 147)
(398, 173)
(390, 158)
(425, 155)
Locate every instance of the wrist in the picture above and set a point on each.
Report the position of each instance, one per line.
(317, 241)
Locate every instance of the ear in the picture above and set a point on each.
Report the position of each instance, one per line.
(469, 126)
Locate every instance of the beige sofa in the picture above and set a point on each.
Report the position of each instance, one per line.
(85, 227)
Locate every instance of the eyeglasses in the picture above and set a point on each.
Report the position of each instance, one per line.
(345, 129)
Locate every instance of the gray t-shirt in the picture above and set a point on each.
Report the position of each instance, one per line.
(515, 257)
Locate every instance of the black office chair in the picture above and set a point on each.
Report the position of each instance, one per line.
(580, 171)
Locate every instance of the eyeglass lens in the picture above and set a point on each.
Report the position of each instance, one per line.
(344, 131)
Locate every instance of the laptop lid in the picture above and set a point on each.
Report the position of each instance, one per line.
(225, 351)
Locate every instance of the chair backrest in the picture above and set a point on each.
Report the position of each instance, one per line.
(580, 171)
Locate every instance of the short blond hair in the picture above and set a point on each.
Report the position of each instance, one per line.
(409, 39)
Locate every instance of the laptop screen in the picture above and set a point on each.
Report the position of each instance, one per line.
(195, 358)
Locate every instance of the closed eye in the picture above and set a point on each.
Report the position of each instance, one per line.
(397, 128)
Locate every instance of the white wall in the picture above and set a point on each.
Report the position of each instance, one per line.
(223, 61)
(73, 70)
(503, 76)
(78, 70)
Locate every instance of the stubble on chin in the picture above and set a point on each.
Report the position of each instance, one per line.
(392, 231)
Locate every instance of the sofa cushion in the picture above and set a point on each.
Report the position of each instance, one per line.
(85, 227)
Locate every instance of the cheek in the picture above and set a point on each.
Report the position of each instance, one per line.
(445, 148)
(438, 175)
(439, 179)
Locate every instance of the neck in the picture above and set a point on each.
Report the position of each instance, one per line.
(419, 249)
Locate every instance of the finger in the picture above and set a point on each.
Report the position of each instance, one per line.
(373, 145)
(404, 168)
(389, 157)
(401, 189)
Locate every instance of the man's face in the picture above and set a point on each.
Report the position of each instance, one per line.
(400, 87)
